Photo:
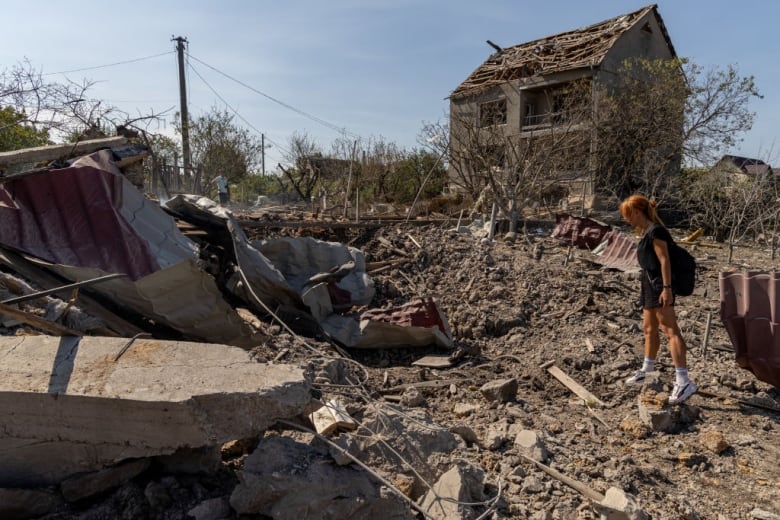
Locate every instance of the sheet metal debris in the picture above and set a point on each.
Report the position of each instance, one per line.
(579, 231)
(750, 311)
(617, 251)
(87, 221)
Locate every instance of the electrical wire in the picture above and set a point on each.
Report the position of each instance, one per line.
(109, 64)
(316, 119)
(282, 148)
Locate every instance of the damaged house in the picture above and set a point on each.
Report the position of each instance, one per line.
(524, 94)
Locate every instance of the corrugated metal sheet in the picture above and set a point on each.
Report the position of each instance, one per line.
(87, 220)
(750, 311)
(617, 251)
(418, 323)
(579, 231)
(89, 215)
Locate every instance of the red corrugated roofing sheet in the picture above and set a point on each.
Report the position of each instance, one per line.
(69, 216)
(579, 231)
(619, 252)
(750, 311)
(87, 215)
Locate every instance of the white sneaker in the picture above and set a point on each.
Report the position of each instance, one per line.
(681, 393)
(637, 378)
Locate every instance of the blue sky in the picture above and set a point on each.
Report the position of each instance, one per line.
(375, 68)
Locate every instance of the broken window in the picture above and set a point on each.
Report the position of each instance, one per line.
(492, 113)
(529, 115)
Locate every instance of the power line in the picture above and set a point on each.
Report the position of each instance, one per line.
(285, 150)
(109, 64)
(316, 119)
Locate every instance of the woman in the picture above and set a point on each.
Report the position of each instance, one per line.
(656, 294)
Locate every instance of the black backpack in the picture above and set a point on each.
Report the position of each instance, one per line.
(683, 270)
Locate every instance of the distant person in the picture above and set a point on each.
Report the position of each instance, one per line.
(222, 189)
(656, 294)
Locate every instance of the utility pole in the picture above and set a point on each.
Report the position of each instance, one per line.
(185, 121)
(262, 147)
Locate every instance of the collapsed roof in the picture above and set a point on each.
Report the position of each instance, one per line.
(576, 49)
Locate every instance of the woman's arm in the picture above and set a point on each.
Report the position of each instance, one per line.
(662, 252)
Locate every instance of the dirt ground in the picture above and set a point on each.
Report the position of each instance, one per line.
(513, 306)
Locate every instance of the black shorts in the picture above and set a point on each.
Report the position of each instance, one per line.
(651, 291)
(223, 197)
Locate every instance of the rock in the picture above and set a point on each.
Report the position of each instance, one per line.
(531, 445)
(462, 485)
(496, 435)
(412, 398)
(622, 506)
(502, 390)
(465, 433)
(714, 441)
(634, 427)
(157, 496)
(464, 409)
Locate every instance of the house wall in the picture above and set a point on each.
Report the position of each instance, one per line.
(635, 43)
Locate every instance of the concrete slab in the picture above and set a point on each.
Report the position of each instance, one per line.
(71, 405)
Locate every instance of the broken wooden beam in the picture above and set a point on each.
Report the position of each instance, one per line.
(37, 322)
(572, 385)
(58, 151)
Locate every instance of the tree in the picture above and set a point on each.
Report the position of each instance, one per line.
(62, 110)
(414, 169)
(519, 169)
(730, 204)
(16, 133)
(660, 114)
(301, 176)
(219, 146)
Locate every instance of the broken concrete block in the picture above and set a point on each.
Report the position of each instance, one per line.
(413, 436)
(502, 390)
(622, 506)
(450, 496)
(71, 405)
(654, 412)
(84, 486)
(287, 480)
(531, 445)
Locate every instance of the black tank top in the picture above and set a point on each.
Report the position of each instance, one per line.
(645, 252)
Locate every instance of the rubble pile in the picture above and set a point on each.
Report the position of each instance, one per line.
(409, 371)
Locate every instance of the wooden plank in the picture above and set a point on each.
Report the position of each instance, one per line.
(47, 326)
(574, 386)
(42, 278)
(433, 361)
(59, 151)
